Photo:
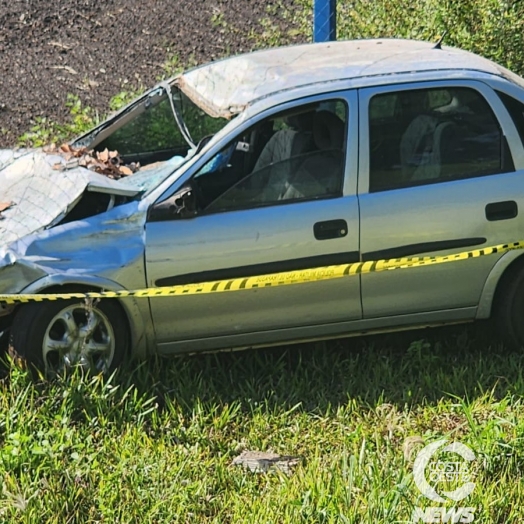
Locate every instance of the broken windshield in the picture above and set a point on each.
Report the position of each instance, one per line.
(162, 128)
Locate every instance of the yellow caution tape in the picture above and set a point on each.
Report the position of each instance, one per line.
(271, 280)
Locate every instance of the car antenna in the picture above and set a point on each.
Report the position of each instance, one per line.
(438, 45)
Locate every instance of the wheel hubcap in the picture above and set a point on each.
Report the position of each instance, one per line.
(78, 336)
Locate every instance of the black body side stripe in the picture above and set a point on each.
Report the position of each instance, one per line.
(297, 264)
(254, 270)
(420, 249)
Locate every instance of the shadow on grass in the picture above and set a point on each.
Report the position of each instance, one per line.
(405, 369)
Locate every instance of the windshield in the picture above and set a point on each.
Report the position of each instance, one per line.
(150, 135)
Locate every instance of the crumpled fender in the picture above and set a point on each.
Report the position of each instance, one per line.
(105, 251)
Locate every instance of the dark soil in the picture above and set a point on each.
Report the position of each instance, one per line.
(98, 48)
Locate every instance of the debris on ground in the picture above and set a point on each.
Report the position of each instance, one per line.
(108, 163)
(262, 462)
(410, 446)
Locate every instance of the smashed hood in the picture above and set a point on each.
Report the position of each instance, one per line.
(39, 195)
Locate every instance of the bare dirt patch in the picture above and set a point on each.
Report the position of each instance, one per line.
(97, 48)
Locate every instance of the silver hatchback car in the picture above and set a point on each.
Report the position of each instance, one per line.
(285, 159)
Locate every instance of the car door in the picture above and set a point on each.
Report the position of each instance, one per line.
(240, 228)
(441, 173)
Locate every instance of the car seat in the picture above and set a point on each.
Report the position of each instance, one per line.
(288, 143)
(321, 172)
(421, 147)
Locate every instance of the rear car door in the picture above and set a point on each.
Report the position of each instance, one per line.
(441, 172)
(278, 196)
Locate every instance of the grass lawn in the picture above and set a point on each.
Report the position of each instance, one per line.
(155, 444)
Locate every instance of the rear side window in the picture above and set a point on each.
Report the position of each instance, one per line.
(426, 136)
(516, 111)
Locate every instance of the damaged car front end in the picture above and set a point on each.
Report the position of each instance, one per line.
(73, 219)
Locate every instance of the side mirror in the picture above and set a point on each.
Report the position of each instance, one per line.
(181, 204)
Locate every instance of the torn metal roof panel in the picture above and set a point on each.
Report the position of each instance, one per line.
(224, 88)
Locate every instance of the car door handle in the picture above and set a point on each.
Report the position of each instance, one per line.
(502, 210)
(330, 229)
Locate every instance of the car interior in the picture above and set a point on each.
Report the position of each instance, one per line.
(429, 135)
(294, 155)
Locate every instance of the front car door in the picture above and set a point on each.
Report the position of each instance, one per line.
(280, 195)
(441, 173)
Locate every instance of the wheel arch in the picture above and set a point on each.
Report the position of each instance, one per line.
(502, 273)
(137, 314)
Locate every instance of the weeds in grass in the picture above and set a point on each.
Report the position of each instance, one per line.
(155, 443)
(45, 131)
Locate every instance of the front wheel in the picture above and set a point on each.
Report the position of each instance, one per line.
(53, 337)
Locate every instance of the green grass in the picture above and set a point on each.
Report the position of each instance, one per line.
(155, 443)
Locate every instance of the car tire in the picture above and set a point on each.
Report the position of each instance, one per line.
(54, 337)
(509, 313)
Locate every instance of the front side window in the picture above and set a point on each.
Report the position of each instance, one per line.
(433, 135)
(292, 156)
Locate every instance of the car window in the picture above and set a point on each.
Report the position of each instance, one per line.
(433, 135)
(516, 110)
(295, 155)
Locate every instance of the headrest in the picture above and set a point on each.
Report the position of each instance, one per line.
(301, 121)
(328, 130)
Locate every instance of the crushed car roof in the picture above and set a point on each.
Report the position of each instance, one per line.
(224, 88)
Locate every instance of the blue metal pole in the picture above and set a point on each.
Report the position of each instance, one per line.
(325, 23)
